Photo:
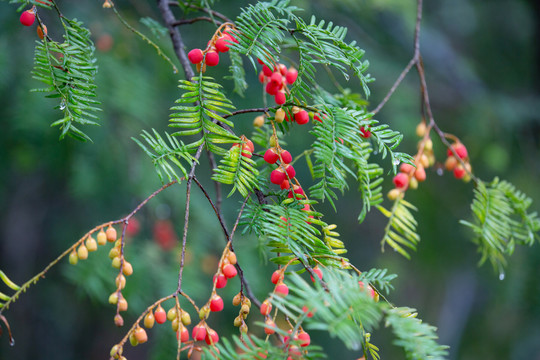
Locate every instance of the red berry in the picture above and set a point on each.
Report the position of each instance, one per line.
(307, 208)
(277, 176)
(276, 78)
(266, 307)
(406, 168)
(221, 281)
(261, 77)
(301, 117)
(277, 276)
(270, 156)
(222, 44)
(317, 271)
(290, 171)
(286, 157)
(269, 327)
(250, 145)
(231, 35)
(195, 56)
(304, 338)
(182, 334)
(272, 88)
(212, 337)
(216, 304)
(280, 98)
(212, 58)
(317, 117)
(282, 290)
(260, 61)
(291, 76)
(267, 71)
(420, 173)
(285, 185)
(199, 332)
(370, 289)
(460, 150)
(459, 172)
(297, 190)
(28, 17)
(229, 271)
(364, 132)
(282, 69)
(160, 315)
(401, 181)
(305, 309)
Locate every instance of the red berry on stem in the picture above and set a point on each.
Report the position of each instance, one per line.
(272, 88)
(270, 156)
(277, 276)
(222, 43)
(364, 132)
(276, 78)
(290, 171)
(301, 117)
(459, 172)
(261, 77)
(221, 281)
(277, 176)
(195, 56)
(401, 181)
(282, 69)
(286, 157)
(282, 290)
(28, 17)
(285, 185)
(317, 271)
(160, 315)
(199, 332)
(420, 173)
(304, 338)
(266, 307)
(267, 71)
(460, 150)
(291, 76)
(406, 168)
(297, 190)
(229, 271)
(280, 98)
(216, 304)
(212, 58)
(317, 117)
(212, 337)
(182, 334)
(305, 309)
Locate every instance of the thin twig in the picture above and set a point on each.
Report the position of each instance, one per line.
(208, 11)
(193, 20)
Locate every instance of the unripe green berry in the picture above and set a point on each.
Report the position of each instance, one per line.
(171, 314)
(149, 320)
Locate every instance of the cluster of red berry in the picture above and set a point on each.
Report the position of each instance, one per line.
(453, 164)
(276, 80)
(219, 43)
(28, 18)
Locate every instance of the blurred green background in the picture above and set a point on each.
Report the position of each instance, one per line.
(483, 71)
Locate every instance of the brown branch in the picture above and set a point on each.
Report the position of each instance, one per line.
(176, 37)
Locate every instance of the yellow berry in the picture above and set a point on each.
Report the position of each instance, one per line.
(421, 129)
(116, 262)
(82, 252)
(280, 115)
(113, 298)
(120, 281)
(127, 269)
(114, 252)
(73, 258)
(101, 238)
(393, 194)
(186, 318)
(259, 121)
(149, 320)
(171, 314)
(122, 304)
(91, 244)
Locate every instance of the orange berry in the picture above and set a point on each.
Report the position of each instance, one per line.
(41, 31)
(149, 320)
(140, 335)
(111, 234)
